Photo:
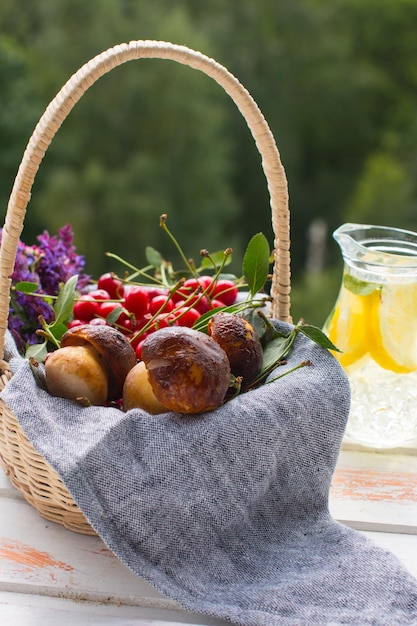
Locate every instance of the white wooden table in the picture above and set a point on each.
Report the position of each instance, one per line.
(50, 576)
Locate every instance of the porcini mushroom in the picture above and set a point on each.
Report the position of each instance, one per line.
(187, 370)
(117, 355)
(241, 343)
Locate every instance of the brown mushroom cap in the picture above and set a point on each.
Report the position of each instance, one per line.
(241, 343)
(114, 348)
(188, 371)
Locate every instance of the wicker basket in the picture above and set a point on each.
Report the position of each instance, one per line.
(27, 470)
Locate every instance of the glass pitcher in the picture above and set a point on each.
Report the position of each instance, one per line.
(374, 324)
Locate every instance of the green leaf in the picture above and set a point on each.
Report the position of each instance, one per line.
(114, 315)
(154, 257)
(318, 336)
(37, 351)
(56, 330)
(275, 351)
(359, 287)
(26, 286)
(263, 325)
(265, 329)
(256, 263)
(64, 303)
(274, 354)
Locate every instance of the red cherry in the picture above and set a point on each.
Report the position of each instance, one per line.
(207, 283)
(113, 285)
(179, 295)
(215, 304)
(137, 300)
(140, 322)
(75, 322)
(85, 308)
(162, 320)
(186, 316)
(161, 304)
(192, 284)
(137, 336)
(125, 324)
(202, 304)
(104, 309)
(99, 294)
(138, 348)
(97, 321)
(190, 287)
(156, 291)
(225, 291)
(188, 299)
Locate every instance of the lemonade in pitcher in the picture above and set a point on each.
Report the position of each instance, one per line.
(374, 324)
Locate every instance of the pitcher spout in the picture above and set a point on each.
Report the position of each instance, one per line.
(377, 249)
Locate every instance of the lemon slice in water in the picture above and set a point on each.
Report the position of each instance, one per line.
(347, 327)
(393, 332)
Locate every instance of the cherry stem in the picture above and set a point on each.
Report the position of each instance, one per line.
(136, 271)
(293, 369)
(162, 223)
(218, 270)
(149, 323)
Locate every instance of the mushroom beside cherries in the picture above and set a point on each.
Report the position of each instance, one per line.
(91, 365)
(239, 340)
(182, 370)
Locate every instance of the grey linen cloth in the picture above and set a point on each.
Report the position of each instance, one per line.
(226, 512)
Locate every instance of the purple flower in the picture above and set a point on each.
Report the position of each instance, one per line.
(58, 260)
(49, 264)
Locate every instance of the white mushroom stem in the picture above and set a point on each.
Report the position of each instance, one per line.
(77, 372)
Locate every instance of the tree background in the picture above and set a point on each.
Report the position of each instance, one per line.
(336, 82)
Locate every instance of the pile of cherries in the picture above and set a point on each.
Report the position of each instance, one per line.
(138, 311)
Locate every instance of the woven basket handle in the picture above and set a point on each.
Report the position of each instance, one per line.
(69, 95)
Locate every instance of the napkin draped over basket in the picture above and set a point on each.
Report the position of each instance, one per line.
(225, 512)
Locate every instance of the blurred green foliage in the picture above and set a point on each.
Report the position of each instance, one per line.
(336, 82)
